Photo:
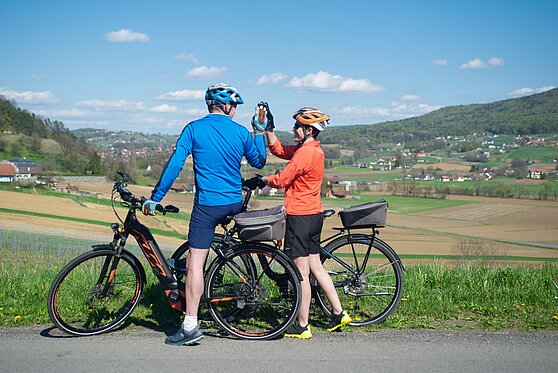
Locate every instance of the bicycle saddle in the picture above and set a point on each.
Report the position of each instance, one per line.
(328, 213)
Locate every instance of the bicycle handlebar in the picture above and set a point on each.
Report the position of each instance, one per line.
(128, 196)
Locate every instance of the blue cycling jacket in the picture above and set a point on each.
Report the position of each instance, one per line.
(217, 145)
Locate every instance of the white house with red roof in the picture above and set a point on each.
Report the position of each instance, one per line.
(7, 173)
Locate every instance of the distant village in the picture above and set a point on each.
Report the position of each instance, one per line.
(21, 169)
(27, 171)
(487, 149)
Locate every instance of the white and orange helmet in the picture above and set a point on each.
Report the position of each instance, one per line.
(310, 116)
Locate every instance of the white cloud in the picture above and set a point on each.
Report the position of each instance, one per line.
(29, 97)
(529, 91)
(187, 57)
(410, 98)
(271, 78)
(122, 105)
(64, 113)
(164, 108)
(126, 35)
(495, 61)
(477, 63)
(184, 95)
(397, 110)
(38, 76)
(326, 82)
(442, 62)
(362, 111)
(205, 72)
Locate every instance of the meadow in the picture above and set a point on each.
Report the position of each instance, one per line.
(466, 296)
(470, 263)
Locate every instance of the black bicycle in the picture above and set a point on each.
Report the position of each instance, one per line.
(367, 273)
(252, 289)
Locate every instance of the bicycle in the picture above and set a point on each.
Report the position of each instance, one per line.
(369, 281)
(252, 289)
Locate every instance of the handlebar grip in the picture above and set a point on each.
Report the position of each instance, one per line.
(167, 208)
(172, 209)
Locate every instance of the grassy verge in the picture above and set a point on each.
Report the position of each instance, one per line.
(462, 297)
(479, 297)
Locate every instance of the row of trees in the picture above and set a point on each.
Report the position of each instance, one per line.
(411, 188)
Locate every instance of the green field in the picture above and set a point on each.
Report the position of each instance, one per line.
(397, 205)
(543, 154)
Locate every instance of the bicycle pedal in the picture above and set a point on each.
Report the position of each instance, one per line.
(240, 303)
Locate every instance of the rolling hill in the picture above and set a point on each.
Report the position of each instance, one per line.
(537, 113)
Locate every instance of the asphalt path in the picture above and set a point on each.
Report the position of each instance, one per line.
(37, 349)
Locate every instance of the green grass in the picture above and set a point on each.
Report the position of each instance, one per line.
(461, 258)
(397, 205)
(462, 297)
(479, 297)
(544, 154)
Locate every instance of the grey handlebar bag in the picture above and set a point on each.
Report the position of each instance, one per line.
(262, 225)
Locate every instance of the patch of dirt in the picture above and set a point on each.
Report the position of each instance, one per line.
(446, 166)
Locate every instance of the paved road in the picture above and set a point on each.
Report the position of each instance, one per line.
(135, 350)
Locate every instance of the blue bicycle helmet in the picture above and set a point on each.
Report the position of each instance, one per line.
(222, 93)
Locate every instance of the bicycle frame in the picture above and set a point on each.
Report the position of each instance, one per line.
(157, 260)
(150, 249)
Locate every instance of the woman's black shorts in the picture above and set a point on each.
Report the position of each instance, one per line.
(303, 234)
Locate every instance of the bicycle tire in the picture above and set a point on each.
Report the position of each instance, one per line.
(74, 302)
(372, 296)
(252, 305)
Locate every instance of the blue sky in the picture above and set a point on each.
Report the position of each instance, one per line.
(144, 65)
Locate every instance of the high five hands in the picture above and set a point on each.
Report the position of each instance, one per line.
(262, 119)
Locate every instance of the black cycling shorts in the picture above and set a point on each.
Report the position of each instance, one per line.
(303, 234)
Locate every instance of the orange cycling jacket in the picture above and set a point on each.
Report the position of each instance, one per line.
(302, 177)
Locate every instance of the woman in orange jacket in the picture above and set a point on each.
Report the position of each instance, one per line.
(302, 179)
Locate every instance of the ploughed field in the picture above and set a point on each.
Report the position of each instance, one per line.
(487, 227)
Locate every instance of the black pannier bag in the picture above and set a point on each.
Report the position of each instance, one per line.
(365, 215)
(262, 225)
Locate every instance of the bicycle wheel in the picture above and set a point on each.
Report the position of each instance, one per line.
(76, 303)
(372, 289)
(253, 305)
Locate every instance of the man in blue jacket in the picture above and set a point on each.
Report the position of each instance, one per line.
(217, 145)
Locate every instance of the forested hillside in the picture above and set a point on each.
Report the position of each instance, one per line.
(525, 115)
(24, 134)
